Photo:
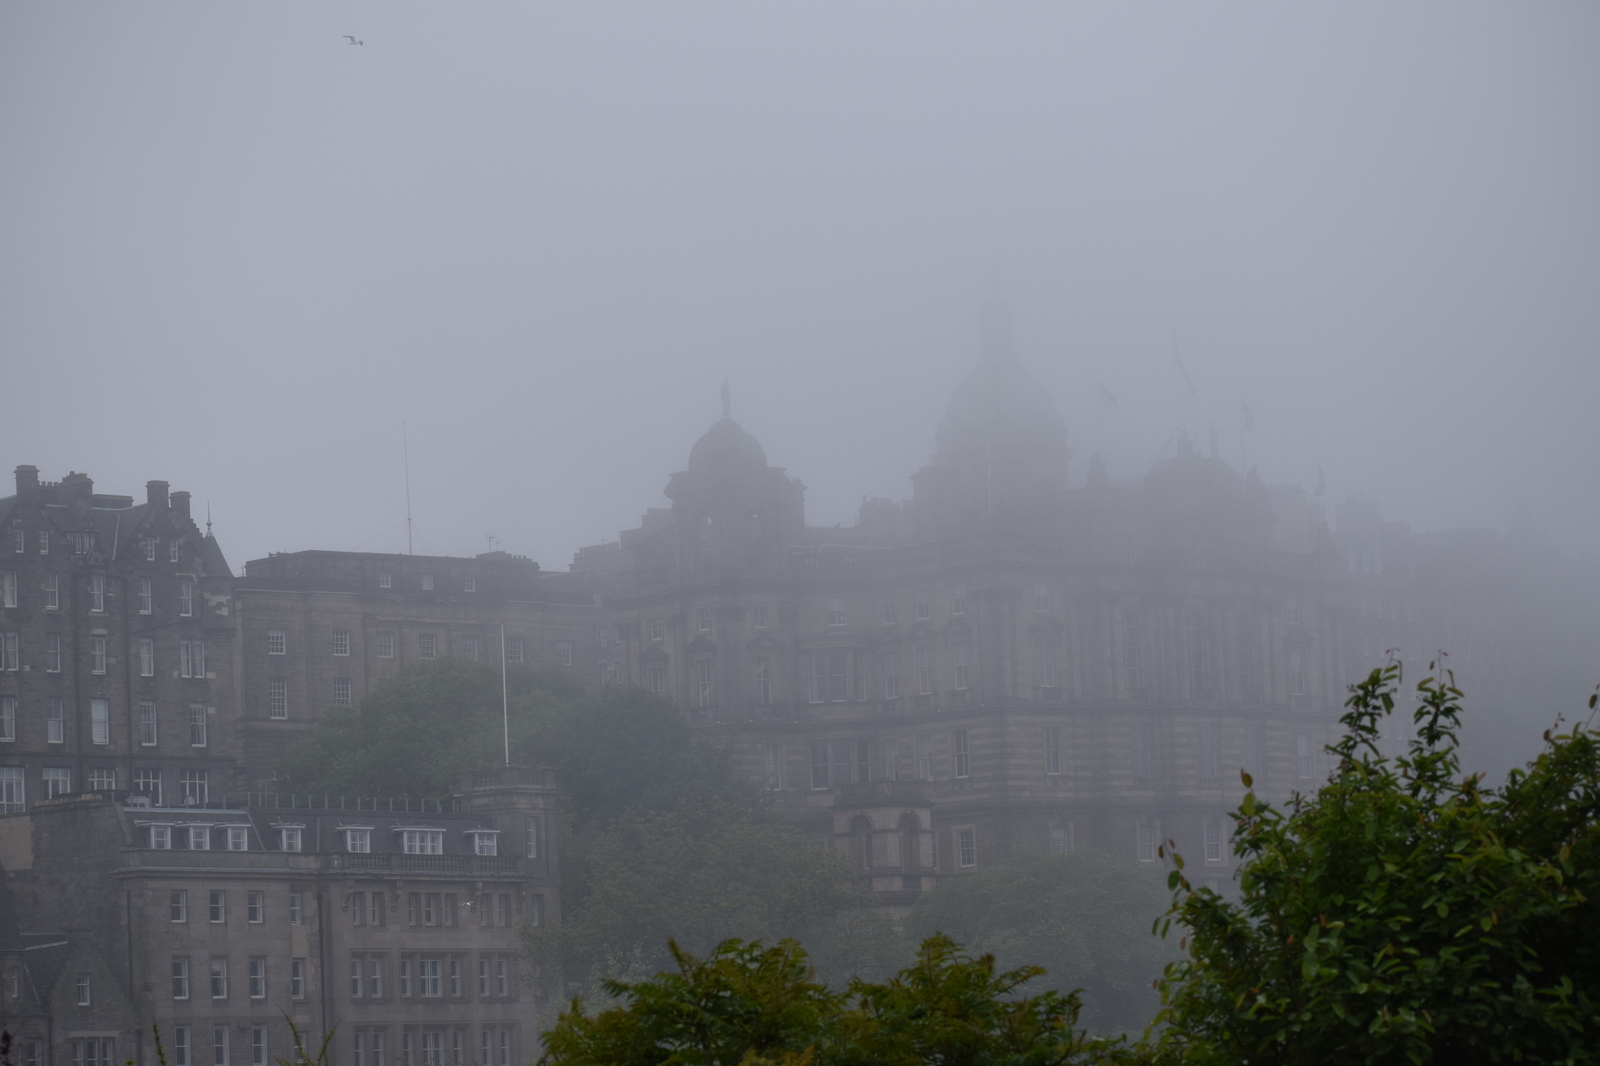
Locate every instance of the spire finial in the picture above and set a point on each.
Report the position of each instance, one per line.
(727, 400)
(208, 518)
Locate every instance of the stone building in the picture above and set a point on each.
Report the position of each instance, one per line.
(117, 646)
(320, 629)
(1003, 661)
(392, 924)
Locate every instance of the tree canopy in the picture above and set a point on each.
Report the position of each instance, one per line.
(1405, 912)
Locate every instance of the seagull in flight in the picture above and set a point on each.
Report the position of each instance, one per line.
(352, 40)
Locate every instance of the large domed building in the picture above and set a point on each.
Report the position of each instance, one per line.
(1004, 661)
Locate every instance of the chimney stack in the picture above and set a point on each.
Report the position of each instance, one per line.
(27, 479)
(156, 495)
(180, 502)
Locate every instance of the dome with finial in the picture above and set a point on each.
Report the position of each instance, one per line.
(1001, 406)
(726, 448)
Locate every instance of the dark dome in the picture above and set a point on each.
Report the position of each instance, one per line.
(726, 449)
(1001, 405)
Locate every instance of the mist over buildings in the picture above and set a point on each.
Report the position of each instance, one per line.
(240, 254)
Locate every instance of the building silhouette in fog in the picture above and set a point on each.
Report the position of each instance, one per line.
(1007, 660)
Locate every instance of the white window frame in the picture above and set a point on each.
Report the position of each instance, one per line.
(485, 842)
(146, 597)
(358, 839)
(97, 594)
(55, 720)
(963, 757)
(100, 721)
(385, 644)
(966, 847)
(289, 838)
(422, 841)
(52, 592)
(277, 642)
(278, 697)
(341, 642)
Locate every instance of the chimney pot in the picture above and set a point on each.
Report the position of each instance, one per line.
(180, 503)
(156, 494)
(27, 479)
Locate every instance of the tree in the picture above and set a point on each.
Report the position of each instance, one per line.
(747, 1004)
(1084, 916)
(1404, 913)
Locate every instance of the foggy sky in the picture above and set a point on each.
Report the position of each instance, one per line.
(237, 253)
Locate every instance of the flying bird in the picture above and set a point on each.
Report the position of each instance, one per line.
(352, 40)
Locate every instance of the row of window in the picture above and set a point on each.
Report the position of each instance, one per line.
(467, 646)
(428, 977)
(428, 1047)
(443, 909)
(194, 720)
(143, 591)
(185, 1053)
(83, 543)
(218, 973)
(843, 762)
(57, 781)
(191, 655)
(469, 583)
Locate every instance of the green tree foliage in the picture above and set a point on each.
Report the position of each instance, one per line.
(745, 1004)
(1085, 917)
(1405, 913)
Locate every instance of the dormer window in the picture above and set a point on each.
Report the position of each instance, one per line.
(422, 841)
(160, 837)
(199, 838)
(358, 841)
(238, 838)
(289, 837)
(485, 841)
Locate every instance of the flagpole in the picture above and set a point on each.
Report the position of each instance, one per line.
(505, 702)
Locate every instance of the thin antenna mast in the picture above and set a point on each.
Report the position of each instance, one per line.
(505, 702)
(405, 450)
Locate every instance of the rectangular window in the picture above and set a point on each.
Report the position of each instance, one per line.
(966, 847)
(199, 838)
(773, 755)
(758, 616)
(8, 718)
(469, 648)
(297, 978)
(258, 1045)
(258, 977)
(428, 983)
(427, 582)
(455, 979)
(19, 541)
(148, 782)
(925, 671)
(161, 837)
(218, 904)
(197, 725)
(57, 781)
(449, 909)
(255, 904)
(385, 580)
(219, 1045)
(1060, 839)
(385, 644)
(357, 977)
(503, 909)
(8, 580)
(13, 796)
(1140, 744)
(923, 610)
(341, 642)
(172, 549)
(1297, 674)
(97, 593)
(180, 978)
(147, 657)
(423, 841)
(296, 908)
(178, 905)
(277, 642)
(470, 584)
(925, 757)
(10, 650)
(888, 614)
(341, 692)
(149, 546)
(958, 602)
(375, 909)
(485, 844)
(85, 990)
(960, 742)
(219, 978)
(891, 760)
(427, 645)
(763, 680)
(101, 780)
(278, 697)
(1147, 843)
(1213, 840)
(358, 841)
(44, 542)
(515, 651)
(1052, 749)
(289, 838)
(531, 835)
(843, 758)
(501, 986)
(375, 977)
(483, 977)
(564, 653)
(100, 721)
(430, 908)
(891, 678)
(958, 656)
(702, 671)
(143, 586)
(195, 786)
(819, 764)
(405, 976)
(52, 591)
(55, 720)
(702, 619)
(97, 654)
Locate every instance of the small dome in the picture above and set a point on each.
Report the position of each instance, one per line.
(726, 449)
